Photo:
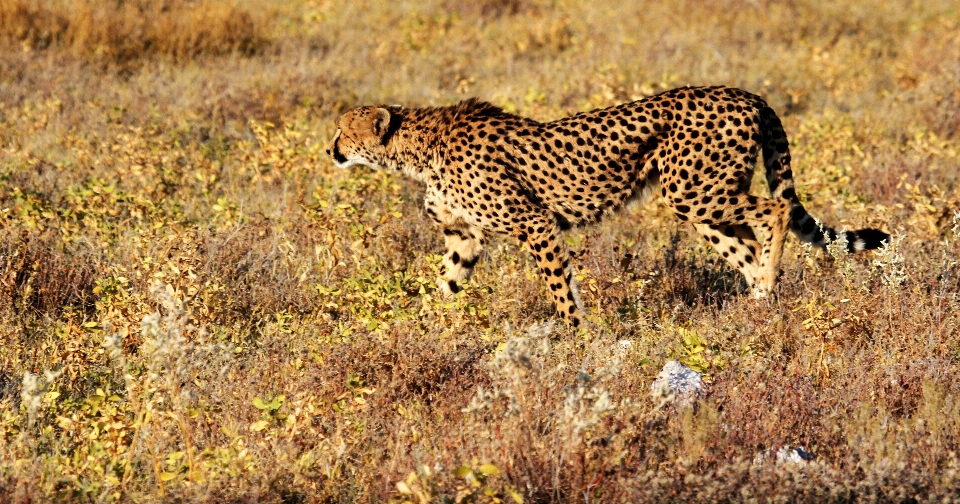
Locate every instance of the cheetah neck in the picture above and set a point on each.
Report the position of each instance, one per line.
(415, 148)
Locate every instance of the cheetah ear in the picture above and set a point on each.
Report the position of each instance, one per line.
(381, 121)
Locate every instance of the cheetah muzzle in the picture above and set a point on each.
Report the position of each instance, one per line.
(488, 170)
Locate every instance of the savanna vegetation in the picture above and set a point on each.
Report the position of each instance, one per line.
(196, 306)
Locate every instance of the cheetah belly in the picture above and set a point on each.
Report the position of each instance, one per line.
(600, 189)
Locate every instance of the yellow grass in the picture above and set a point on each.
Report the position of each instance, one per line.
(196, 306)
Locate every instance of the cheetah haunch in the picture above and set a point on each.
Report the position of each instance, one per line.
(488, 170)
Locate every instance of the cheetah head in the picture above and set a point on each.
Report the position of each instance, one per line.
(361, 137)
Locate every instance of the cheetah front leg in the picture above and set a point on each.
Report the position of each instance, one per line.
(464, 245)
(546, 244)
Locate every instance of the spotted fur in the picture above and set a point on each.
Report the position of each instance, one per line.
(488, 170)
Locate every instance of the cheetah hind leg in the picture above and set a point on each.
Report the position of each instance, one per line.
(772, 222)
(737, 245)
(767, 221)
(464, 245)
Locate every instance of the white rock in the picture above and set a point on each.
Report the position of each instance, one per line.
(787, 455)
(791, 454)
(678, 383)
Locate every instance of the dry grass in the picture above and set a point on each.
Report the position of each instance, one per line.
(225, 317)
(126, 31)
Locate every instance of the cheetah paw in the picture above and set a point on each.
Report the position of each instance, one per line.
(448, 288)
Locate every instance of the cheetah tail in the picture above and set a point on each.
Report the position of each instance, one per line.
(776, 160)
(808, 229)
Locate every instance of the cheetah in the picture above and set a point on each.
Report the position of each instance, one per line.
(487, 170)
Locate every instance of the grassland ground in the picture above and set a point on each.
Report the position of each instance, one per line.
(196, 306)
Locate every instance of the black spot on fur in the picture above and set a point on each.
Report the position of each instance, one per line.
(470, 263)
